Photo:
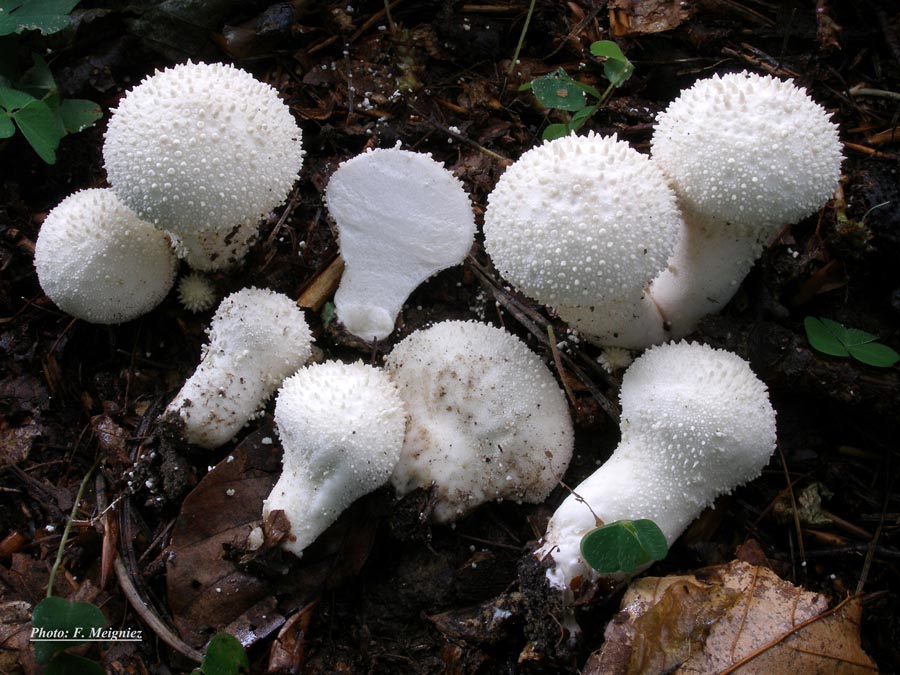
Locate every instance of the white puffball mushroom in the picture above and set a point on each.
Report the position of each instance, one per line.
(696, 423)
(342, 429)
(96, 260)
(256, 338)
(750, 150)
(746, 155)
(202, 146)
(196, 293)
(581, 221)
(401, 217)
(487, 420)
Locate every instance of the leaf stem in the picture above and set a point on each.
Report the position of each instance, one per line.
(68, 529)
(515, 57)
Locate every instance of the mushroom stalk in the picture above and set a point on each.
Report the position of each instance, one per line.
(706, 270)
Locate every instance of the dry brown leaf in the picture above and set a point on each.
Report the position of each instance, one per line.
(627, 17)
(734, 618)
(207, 592)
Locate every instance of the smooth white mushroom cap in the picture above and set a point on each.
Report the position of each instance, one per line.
(401, 217)
(256, 338)
(750, 150)
(696, 423)
(342, 428)
(202, 146)
(581, 220)
(487, 420)
(98, 261)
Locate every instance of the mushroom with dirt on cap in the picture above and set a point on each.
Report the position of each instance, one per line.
(487, 420)
(256, 338)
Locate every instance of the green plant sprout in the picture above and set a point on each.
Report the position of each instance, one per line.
(830, 337)
(559, 91)
(623, 546)
(31, 101)
(54, 617)
(224, 656)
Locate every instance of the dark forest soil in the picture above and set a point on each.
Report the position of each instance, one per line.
(383, 592)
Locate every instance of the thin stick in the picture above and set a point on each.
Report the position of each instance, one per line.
(515, 58)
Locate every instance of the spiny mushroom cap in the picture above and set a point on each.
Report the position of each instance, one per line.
(703, 418)
(401, 217)
(202, 146)
(98, 261)
(579, 220)
(696, 423)
(196, 293)
(342, 429)
(487, 419)
(750, 150)
(256, 338)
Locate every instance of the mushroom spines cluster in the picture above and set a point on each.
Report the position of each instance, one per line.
(257, 337)
(401, 217)
(99, 262)
(342, 427)
(579, 219)
(487, 420)
(749, 150)
(202, 146)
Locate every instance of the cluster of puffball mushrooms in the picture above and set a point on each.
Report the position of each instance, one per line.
(631, 250)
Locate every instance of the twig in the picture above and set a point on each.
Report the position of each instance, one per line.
(796, 511)
(877, 93)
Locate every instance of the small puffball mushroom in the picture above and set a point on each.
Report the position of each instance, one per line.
(196, 293)
(582, 221)
(487, 420)
(201, 147)
(256, 338)
(342, 428)
(401, 217)
(696, 423)
(746, 154)
(98, 261)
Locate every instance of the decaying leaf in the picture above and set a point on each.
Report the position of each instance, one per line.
(734, 618)
(15, 629)
(206, 591)
(627, 17)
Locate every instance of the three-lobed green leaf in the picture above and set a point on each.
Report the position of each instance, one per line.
(224, 656)
(623, 546)
(75, 619)
(35, 107)
(616, 68)
(832, 338)
(46, 16)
